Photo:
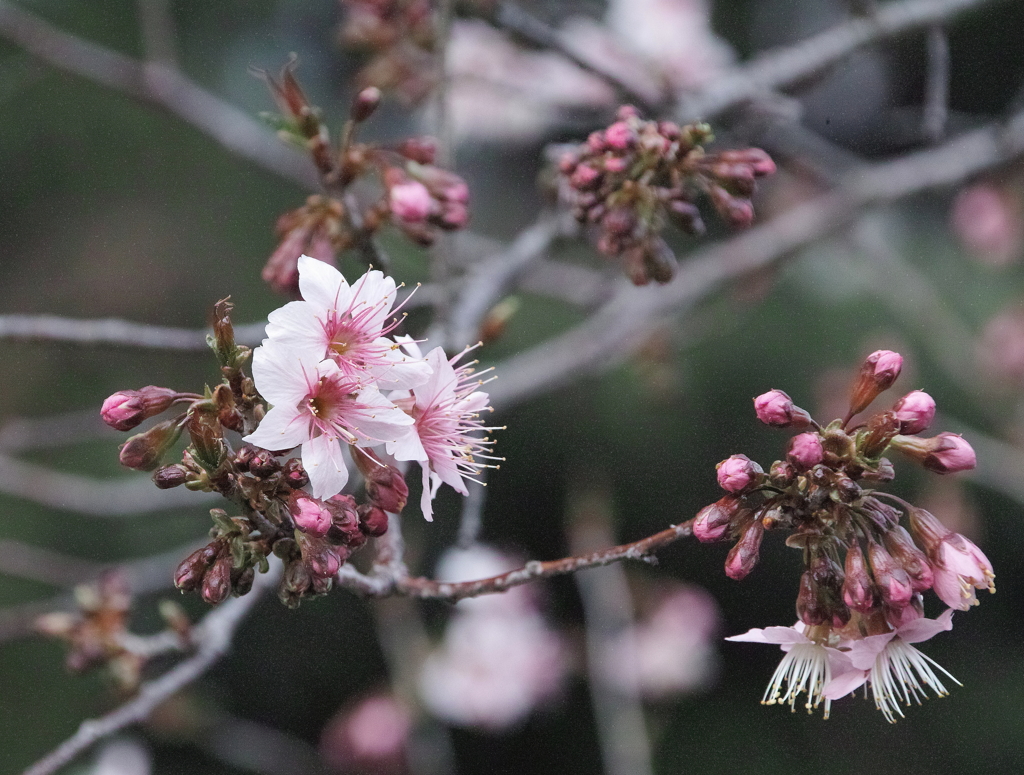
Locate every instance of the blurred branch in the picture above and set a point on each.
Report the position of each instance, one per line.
(487, 280)
(94, 497)
(143, 576)
(936, 97)
(789, 65)
(157, 27)
(621, 326)
(213, 636)
(60, 430)
(528, 29)
(377, 584)
(122, 333)
(39, 564)
(158, 84)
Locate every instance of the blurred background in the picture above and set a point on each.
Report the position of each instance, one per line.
(113, 208)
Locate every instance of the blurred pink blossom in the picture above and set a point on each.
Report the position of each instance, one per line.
(673, 645)
(989, 222)
(1000, 350)
(371, 736)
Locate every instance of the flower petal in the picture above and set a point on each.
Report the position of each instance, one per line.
(322, 284)
(325, 465)
(282, 429)
(922, 629)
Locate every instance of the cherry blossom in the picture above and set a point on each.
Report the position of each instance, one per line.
(348, 324)
(319, 406)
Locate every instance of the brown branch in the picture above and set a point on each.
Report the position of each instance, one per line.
(378, 585)
(157, 84)
(787, 66)
(623, 324)
(213, 635)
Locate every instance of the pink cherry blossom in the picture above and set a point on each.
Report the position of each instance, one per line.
(318, 406)
(960, 568)
(347, 324)
(807, 667)
(896, 670)
(445, 439)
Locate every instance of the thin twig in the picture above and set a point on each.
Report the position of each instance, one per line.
(159, 85)
(622, 325)
(376, 585)
(214, 635)
(787, 66)
(936, 97)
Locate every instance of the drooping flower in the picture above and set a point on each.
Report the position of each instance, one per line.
(806, 668)
(446, 439)
(897, 671)
(348, 324)
(319, 406)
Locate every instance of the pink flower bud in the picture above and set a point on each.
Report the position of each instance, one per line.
(911, 559)
(143, 451)
(947, 453)
(878, 372)
(738, 473)
(744, 555)
(777, 409)
(712, 522)
(915, 411)
(619, 136)
(453, 216)
(373, 521)
(626, 112)
(420, 149)
(584, 177)
(217, 581)
(615, 165)
(410, 201)
(311, 516)
(127, 408)
(893, 582)
(805, 450)
(365, 103)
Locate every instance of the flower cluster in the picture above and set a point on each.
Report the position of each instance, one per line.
(632, 178)
(860, 600)
(335, 382)
(415, 196)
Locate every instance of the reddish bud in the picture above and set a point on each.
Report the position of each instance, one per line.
(373, 521)
(901, 547)
(263, 463)
(777, 409)
(294, 474)
(744, 555)
(170, 476)
(422, 150)
(128, 408)
(712, 522)
(365, 103)
(877, 374)
(738, 473)
(619, 136)
(310, 516)
(191, 570)
(915, 411)
(858, 587)
(947, 453)
(143, 451)
(805, 451)
(893, 582)
(217, 581)
(584, 177)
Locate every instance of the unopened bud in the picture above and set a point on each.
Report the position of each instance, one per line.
(207, 435)
(877, 374)
(373, 521)
(310, 516)
(217, 581)
(901, 547)
(295, 583)
(294, 474)
(808, 606)
(893, 582)
(858, 587)
(744, 555)
(828, 583)
(170, 476)
(263, 463)
(364, 104)
(127, 408)
(242, 581)
(805, 451)
(782, 473)
(410, 201)
(191, 570)
(928, 530)
(143, 451)
(738, 473)
(713, 522)
(915, 411)
(322, 559)
(422, 150)
(777, 409)
(947, 453)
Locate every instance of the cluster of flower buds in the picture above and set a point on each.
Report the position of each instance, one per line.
(277, 515)
(416, 196)
(400, 34)
(97, 634)
(864, 572)
(636, 176)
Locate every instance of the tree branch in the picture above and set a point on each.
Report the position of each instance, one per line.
(779, 68)
(213, 634)
(622, 325)
(160, 85)
(122, 333)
